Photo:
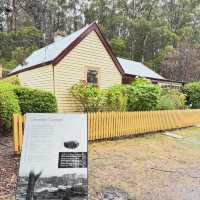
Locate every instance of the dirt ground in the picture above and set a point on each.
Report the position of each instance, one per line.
(8, 169)
(154, 167)
(151, 167)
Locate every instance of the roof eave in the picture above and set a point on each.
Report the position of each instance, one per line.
(29, 68)
(156, 79)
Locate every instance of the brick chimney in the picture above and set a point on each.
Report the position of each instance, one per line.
(1, 71)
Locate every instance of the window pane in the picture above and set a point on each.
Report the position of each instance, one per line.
(92, 76)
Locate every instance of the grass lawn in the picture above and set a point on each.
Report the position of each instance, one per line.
(152, 167)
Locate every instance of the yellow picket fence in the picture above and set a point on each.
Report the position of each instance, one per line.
(18, 127)
(107, 125)
(118, 124)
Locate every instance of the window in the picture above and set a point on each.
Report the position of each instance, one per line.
(92, 76)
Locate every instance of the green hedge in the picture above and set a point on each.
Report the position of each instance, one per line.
(116, 98)
(143, 95)
(172, 99)
(4, 86)
(192, 91)
(31, 100)
(35, 101)
(15, 99)
(90, 97)
(8, 105)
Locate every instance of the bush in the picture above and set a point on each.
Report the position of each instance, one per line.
(143, 95)
(172, 99)
(14, 99)
(35, 101)
(4, 86)
(116, 98)
(8, 106)
(192, 91)
(91, 98)
(11, 80)
(165, 103)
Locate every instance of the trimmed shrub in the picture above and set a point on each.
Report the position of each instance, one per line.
(192, 91)
(91, 98)
(8, 106)
(14, 99)
(35, 101)
(143, 95)
(172, 99)
(116, 98)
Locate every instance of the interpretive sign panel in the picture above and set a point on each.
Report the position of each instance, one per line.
(53, 162)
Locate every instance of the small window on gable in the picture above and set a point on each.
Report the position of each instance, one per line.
(92, 76)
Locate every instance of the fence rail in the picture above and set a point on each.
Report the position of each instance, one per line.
(107, 125)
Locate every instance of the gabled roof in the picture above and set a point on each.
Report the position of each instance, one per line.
(55, 51)
(138, 69)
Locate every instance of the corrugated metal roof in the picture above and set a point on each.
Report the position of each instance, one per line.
(49, 52)
(53, 50)
(138, 69)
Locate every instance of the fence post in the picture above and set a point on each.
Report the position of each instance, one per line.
(15, 134)
(20, 132)
(17, 127)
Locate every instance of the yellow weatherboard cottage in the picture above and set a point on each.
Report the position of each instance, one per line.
(83, 55)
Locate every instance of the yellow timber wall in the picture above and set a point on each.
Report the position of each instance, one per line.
(88, 54)
(109, 125)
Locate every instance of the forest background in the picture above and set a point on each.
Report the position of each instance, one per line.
(163, 34)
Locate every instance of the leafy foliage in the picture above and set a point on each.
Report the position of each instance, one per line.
(11, 80)
(35, 101)
(172, 99)
(16, 46)
(143, 95)
(192, 90)
(8, 106)
(15, 99)
(165, 103)
(116, 98)
(149, 31)
(90, 97)
(182, 63)
(119, 45)
(6, 86)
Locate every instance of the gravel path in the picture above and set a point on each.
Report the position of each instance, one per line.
(8, 169)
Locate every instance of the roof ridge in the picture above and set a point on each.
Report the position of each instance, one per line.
(54, 42)
(56, 51)
(63, 37)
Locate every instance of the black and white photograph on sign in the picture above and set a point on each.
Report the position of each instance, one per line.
(53, 161)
